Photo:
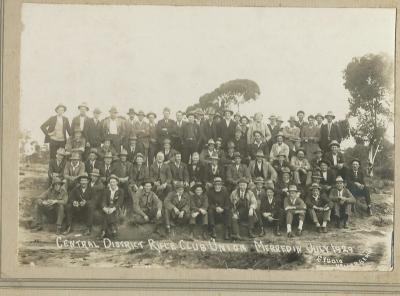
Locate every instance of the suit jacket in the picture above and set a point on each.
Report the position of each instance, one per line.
(207, 131)
(142, 202)
(242, 147)
(261, 127)
(227, 133)
(117, 201)
(334, 194)
(89, 167)
(253, 148)
(218, 199)
(61, 196)
(165, 129)
(233, 174)
(268, 170)
(322, 201)
(330, 179)
(275, 207)
(78, 195)
(198, 202)
(68, 170)
(279, 166)
(326, 137)
(298, 203)
(274, 151)
(186, 133)
(172, 201)
(54, 168)
(251, 200)
(138, 175)
(94, 133)
(179, 173)
(329, 156)
(165, 173)
(139, 148)
(205, 156)
(76, 123)
(197, 174)
(121, 127)
(352, 178)
(209, 175)
(121, 170)
(104, 174)
(49, 125)
(142, 128)
(75, 144)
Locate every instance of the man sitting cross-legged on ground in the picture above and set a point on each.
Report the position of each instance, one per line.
(112, 201)
(198, 209)
(177, 207)
(343, 200)
(319, 207)
(271, 211)
(81, 201)
(293, 206)
(53, 199)
(147, 207)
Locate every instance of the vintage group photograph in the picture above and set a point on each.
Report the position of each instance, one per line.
(206, 137)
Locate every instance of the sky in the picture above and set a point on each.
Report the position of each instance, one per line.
(149, 57)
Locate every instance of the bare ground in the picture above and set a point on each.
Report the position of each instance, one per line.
(367, 241)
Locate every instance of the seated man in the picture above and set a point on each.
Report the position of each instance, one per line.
(279, 147)
(177, 207)
(315, 162)
(53, 199)
(257, 145)
(92, 162)
(235, 172)
(122, 169)
(133, 148)
(336, 159)
(168, 151)
(206, 153)
(319, 207)
(228, 158)
(106, 148)
(57, 165)
(271, 210)
(282, 186)
(196, 170)
(106, 168)
(97, 187)
(218, 201)
(280, 163)
(301, 167)
(77, 142)
(294, 206)
(112, 201)
(72, 170)
(356, 183)
(328, 176)
(241, 146)
(343, 200)
(81, 201)
(160, 175)
(139, 173)
(198, 210)
(147, 207)
(262, 168)
(179, 171)
(213, 170)
(243, 205)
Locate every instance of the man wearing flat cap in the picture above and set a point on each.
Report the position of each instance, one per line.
(236, 171)
(294, 206)
(147, 207)
(343, 201)
(329, 132)
(55, 130)
(177, 207)
(55, 199)
(81, 202)
(114, 128)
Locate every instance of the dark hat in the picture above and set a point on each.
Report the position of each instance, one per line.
(147, 181)
(300, 111)
(291, 118)
(151, 113)
(123, 152)
(300, 149)
(292, 188)
(75, 156)
(330, 114)
(257, 132)
(260, 153)
(133, 137)
(61, 106)
(356, 160)
(270, 188)
(280, 134)
(179, 185)
(219, 139)
(83, 176)
(141, 113)
(244, 117)
(107, 138)
(228, 110)
(56, 180)
(84, 105)
(319, 115)
(94, 150)
(279, 118)
(272, 116)
(190, 114)
(334, 143)
(327, 162)
(61, 151)
(217, 180)
(95, 172)
(113, 177)
(281, 153)
(236, 154)
(197, 185)
(259, 180)
(217, 115)
(285, 170)
(131, 111)
(242, 180)
(339, 179)
(316, 174)
(317, 150)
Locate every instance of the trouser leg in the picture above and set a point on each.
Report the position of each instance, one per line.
(60, 214)
(69, 210)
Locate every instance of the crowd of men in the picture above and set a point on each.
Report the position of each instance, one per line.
(200, 169)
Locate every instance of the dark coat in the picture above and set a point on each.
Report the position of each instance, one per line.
(197, 174)
(138, 175)
(94, 133)
(165, 173)
(179, 173)
(116, 202)
(275, 207)
(209, 176)
(171, 201)
(242, 147)
(197, 202)
(218, 199)
(49, 125)
(54, 168)
(78, 195)
(165, 129)
(326, 138)
(227, 133)
(139, 148)
(253, 148)
(86, 125)
(322, 201)
(97, 165)
(207, 131)
(351, 179)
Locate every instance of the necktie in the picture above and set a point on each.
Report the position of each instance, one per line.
(355, 173)
(329, 129)
(159, 171)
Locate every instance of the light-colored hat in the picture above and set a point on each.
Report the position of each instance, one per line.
(272, 116)
(259, 153)
(315, 186)
(83, 176)
(334, 143)
(61, 151)
(95, 172)
(228, 110)
(75, 156)
(285, 170)
(292, 188)
(97, 111)
(108, 155)
(291, 118)
(84, 105)
(330, 113)
(242, 180)
(319, 115)
(113, 109)
(113, 177)
(279, 118)
(151, 113)
(259, 180)
(210, 141)
(339, 179)
(217, 180)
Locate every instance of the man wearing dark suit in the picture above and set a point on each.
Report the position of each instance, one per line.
(92, 162)
(177, 133)
(55, 130)
(271, 211)
(356, 184)
(329, 132)
(213, 170)
(122, 169)
(139, 173)
(177, 207)
(328, 176)
(160, 175)
(153, 145)
(179, 171)
(133, 148)
(280, 163)
(207, 131)
(94, 132)
(57, 165)
(106, 169)
(226, 128)
(336, 159)
(258, 145)
(165, 127)
(196, 170)
(241, 146)
(343, 201)
(190, 138)
(235, 172)
(82, 121)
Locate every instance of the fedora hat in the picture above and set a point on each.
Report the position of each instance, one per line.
(260, 153)
(210, 142)
(61, 106)
(334, 143)
(56, 180)
(94, 150)
(113, 109)
(217, 180)
(108, 155)
(259, 180)
(83, 176)
(310, 116)
(279, 118)
(95, 172)
(123, 152)
(300, 111)
(315, 186)
(272, 116)
(285, 170)
(197, 185)
(139, 155)
(75, 156)
(141, 113)
(257, 132)
(339, 179)
(147, 181)
(244, 117)
(282, 154)
(236, 154)
(83, 105)
(131, 111)
(356, 160)
(330, 114)
(319, 115)
(317, 150)
(300, 149)
(97, 111)
(61, 151)
(280, 134)
(217, 115)
(291, 118)
(316, 174)
(166, 109)
(178, 185)
(219, 139)
(327, 162)
(228, 110)
(151, 113)
(292, 188)
(113, 177)
(242, 180)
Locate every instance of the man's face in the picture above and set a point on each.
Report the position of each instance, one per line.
(113, 183)
(113, 115)
(195, 157)
(300, 116)
(198, 191)
(108, 160)
(151, 118)
(60, 111)
(59, 156)
(339, 185)
(259, 185)
(166, 114)
(329, 119)
(315, 192)
(218, 143)
(291, 123)
(300, 155)
(279, 139)
(355, 165)
(178, 157)
(318, 154)
(131, 116)
(94, 178)
(141, 117)
(191, 118)
(167, 146)
(139, 160)
(281, 158)
(334, 148)
(107, 143)
(316, 180)
(123, 158)
(160, 157)
(78, 135)
(324, 167)
(82, 111)
(259, 158)
(297, 144)
(238, 160)
(92, 156)
(292, 194)
(132, 143)
(228, 115)
(242, 186)
(57, 187)
(238, 134)
(257, 136)
(147, 187)
(84, 182)
(285, 177)
(218, 187)
(75, 162)
(258, 117)
(244, 120)
(211, 146)
(179, 191)
(270, 193)
(179, 116)
(319, 119)
(311, 120)
(96, 115)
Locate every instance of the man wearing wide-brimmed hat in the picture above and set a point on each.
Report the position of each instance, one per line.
(279, 147)
(138, 173)
(92, 162)
(319, 207)
(190, 137)
(122, 169)
(328, 175)
(300, 167)
(329, 132)
(141, 128)
(343, 201)
(226, 127)
(53, 199)
(207, 152)
(77, 142)
(291, 132)
(261, 127)
(243, 205)
(196, 170)
(134, 147)
(294, 206)
(198, 209)
(168, 151)
(257, 145)
(82, 121)
(280, 163)
(261, 167)
(57, 165)
(74, 168)
(55, 130)
(97, 186)
(115, 128)
(271, 210)
(107, 168)
(236, 171)
(177, 207)
(207, 130)
(81, 202)
(272, 124)
(106, 148)
(213, 170)
(300, 123)
(147, 207)
(241, 146)
(318, 153)
(130, 122)
(356, 183)
(218, 207)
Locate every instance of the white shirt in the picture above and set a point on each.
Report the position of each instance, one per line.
(113, 193)
(259, 165)
(81, 122)
(227, 122)
(334, 159)
(325, 175)
(179, 197)
(113, 127)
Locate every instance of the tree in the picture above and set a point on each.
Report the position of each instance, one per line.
(233, 92)
(369, 80)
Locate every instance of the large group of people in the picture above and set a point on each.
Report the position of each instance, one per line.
(200, 169)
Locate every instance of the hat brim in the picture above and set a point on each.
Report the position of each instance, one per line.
(327, 115)
(86, 107)
(61, 106)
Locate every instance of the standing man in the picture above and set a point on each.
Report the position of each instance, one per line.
(294, 206)
(177, 137)
(55, 130)
(236, 172)
(165, 127)
(94, 132)
(262, 168)
(300, 123)
(207, 131)
(142, 131)
(291, 132)
(257, 145)
(262, 128)
(114, 128)
(82, 121)
(190, 138)
(329, 132)
(153, 145)
(130, 124)
(343, 200)
(279, 147)
(226, 127)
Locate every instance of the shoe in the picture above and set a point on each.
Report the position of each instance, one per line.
(213, 233)
(369, 210)
(251, 234)
(87, 232)
(157, 230)
(290, 234)
(299, 232)
(262, 232)
(205, 235)
(68, 230)
(345, 226)
(58, 231)
(227, 236)
(277, 232)
(319, 229)
(324, 230)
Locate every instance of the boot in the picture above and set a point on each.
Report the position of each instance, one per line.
(227, 236)
(251, 234)
(369, 210)
(324, 230)
(213, 233)
(319, 229)
(262, 232)
(205, 232)
(58, 231)
(299, 232)
(289, 234)
(277, 232)
(157, 229)
(345, 222)
(67, 230)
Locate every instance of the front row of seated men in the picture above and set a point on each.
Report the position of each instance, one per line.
(264, 205)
